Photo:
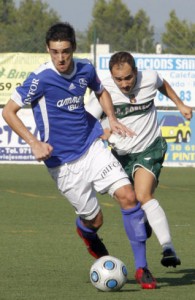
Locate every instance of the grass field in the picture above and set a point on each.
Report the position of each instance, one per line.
(41, 257)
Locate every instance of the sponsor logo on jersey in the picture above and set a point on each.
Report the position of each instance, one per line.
(109, 168)
(32, 90)
(72, 103)
(124, 110)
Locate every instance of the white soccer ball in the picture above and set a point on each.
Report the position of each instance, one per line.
(108, 274)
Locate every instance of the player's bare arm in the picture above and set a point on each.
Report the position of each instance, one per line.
(40, 149)
(167, 90)
(106, 103)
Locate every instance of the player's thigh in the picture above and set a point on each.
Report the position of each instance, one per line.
(72, 183)
(144, 184)
(105, 169)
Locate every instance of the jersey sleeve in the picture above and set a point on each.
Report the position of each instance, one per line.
(94, 82)
(159, 80)
(93, 106)
(30, 91)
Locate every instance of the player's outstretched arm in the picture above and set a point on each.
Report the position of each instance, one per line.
(168, 91)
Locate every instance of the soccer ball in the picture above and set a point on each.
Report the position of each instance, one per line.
(108, 274)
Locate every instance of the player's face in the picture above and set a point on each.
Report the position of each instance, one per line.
(61, 53)
(124, 77)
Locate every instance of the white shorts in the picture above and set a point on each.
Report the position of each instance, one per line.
(96, 171)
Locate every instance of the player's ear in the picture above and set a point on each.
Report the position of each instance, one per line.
(47, 48)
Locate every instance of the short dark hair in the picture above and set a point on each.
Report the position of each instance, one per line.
(120, 58)
(61, 31)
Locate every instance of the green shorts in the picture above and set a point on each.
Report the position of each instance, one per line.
(151, 159)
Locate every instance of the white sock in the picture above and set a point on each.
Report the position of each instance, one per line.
(158, 221)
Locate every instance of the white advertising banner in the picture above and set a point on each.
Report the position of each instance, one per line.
(180, 136)
(178, 70)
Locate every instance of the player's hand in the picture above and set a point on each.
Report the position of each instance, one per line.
(41, 150)
(186, 111)
(121, 129)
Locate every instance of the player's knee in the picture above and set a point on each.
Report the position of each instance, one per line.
(125, 196)
(143, 197)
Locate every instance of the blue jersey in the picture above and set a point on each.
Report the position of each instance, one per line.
(58, 106)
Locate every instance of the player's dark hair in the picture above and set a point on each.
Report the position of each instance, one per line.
(61, 31)
(119, 58)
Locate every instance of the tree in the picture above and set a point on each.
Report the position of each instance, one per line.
(25, 27)
(110, 23)
(82, 45)
(7, 11)
(7, 20)
(113, 24)
(140, 36)
(179, 37)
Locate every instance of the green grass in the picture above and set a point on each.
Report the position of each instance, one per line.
(41, 257)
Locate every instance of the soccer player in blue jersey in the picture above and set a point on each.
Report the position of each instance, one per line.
(71, 147)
